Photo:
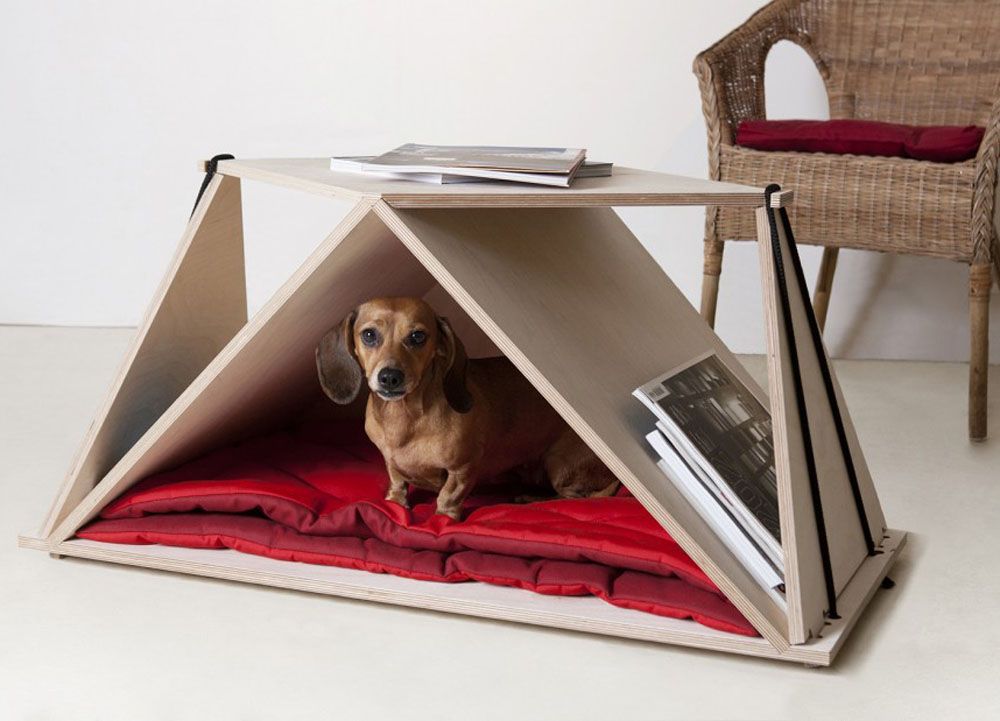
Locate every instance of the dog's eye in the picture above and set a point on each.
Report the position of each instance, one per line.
(369, 336)
(416, 338)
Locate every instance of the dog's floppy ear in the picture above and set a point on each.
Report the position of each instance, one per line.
(456, 362)
(339, 372)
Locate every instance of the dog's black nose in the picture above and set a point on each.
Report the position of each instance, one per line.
(390, 378)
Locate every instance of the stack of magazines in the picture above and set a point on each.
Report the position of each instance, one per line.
(715, 445)
(476, 163)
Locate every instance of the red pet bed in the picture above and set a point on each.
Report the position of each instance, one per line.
(314, 494)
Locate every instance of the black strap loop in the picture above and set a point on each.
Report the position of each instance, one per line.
(210, 168)
(800, 400)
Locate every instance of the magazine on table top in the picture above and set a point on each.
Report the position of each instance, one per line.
(724, 435)
(449, 158)
(358, 163)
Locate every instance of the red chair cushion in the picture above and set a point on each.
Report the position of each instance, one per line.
(941, 144)
(314, 494)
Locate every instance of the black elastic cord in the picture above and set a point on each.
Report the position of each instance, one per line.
(800, 400)
(210, 167)
(831, 394)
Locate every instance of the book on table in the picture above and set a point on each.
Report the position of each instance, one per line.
(715, 445)
(358, 164)
(450, 163)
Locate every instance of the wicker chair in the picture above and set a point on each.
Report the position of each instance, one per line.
(921, 62)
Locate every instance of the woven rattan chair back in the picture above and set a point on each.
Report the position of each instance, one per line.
(920, 62)
(925, 62)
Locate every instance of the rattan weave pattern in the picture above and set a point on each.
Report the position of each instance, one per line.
(909, 61)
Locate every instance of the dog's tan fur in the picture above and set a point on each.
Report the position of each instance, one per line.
(455, 422)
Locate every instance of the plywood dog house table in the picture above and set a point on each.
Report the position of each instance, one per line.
(551, 276)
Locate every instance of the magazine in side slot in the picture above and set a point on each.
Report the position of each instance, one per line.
(724, 495)
(719, 518)
(724, 434)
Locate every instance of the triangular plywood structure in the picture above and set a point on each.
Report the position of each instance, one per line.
(560, 285)
(197, 309)
(851, 517)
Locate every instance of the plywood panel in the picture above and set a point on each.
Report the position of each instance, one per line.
(805, 580)
(477, 343)
(586, 614)
(627, 186)
(197, 309)
(270, 365)
(576, 302)
(586, 314)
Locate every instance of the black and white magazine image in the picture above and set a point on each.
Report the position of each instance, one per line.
(732, 431)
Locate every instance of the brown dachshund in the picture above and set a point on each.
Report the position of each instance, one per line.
(443, 422)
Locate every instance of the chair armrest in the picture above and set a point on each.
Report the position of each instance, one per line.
(986, 196)
(731, 72)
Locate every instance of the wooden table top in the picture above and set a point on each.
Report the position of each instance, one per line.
(627, 186)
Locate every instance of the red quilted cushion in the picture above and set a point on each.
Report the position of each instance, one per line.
(314, 494)
(941, 144)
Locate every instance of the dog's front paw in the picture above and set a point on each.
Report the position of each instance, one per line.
(398, 497)
(452, 511)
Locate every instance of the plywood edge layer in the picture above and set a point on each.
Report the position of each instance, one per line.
(858, 594)
(544, 199)
(33, 541)
(586, 614)
(782, 199)
(628, 186)
(250, 171)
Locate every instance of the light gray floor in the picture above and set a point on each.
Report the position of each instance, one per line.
(81, 640)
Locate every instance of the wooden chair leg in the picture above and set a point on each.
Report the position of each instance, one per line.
(710, 280)
(980, 282)
(824, 284)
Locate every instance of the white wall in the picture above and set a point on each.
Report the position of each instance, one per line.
(107, 106)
